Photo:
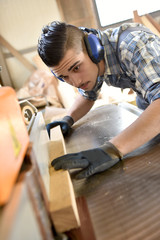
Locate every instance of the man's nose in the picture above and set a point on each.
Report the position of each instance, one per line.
(76, 81)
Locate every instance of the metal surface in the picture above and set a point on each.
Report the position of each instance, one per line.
(29, 111)
(124, 202)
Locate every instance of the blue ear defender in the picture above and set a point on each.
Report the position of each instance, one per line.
(61, 79)
(94, 48)
(93, 45)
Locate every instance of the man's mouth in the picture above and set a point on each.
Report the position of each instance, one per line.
(84, 86)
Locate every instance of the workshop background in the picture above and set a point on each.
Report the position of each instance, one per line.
(37, 202)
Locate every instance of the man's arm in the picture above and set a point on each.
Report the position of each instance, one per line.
(80, 107)
(146, 127)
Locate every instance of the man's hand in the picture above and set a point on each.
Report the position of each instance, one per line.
(65, 125)
(91, 161)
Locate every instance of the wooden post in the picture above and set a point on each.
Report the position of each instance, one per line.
(137, 18)
(155, 24)
(4, 73)
(15, 53)
(149, 25)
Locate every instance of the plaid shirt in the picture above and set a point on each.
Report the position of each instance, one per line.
(138, 66)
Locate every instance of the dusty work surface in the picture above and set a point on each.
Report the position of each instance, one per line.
(123, 202)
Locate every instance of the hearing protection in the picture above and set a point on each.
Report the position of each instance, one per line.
(93, 45)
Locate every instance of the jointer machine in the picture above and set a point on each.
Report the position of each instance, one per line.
(37, 202)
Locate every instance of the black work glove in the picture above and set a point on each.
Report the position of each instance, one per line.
(91, 161)
(65, 125)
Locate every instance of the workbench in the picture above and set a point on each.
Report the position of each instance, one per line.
(124, 201)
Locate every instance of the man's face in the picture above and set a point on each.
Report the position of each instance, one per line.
(77, 70)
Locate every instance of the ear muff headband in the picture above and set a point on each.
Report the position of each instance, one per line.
(93, 45)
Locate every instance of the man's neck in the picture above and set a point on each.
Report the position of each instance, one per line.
(101, 67)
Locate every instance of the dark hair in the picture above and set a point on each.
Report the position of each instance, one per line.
(56, 39)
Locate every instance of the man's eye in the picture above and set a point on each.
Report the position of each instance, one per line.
(76, 68)
(64, 77)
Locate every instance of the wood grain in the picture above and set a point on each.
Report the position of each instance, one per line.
(63, 206)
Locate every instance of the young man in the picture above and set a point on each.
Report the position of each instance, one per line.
(125, 57)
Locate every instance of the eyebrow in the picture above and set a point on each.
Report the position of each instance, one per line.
(73, 66)
(61, 76)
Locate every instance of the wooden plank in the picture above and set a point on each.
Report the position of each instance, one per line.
(22, 59)
(155, 24)
(136, 18)
(4, 74)
(63, 206)
(149, 25)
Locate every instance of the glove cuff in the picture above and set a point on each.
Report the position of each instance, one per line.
(69, 120)
(110, 149)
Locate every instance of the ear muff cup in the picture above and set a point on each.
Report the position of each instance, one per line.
(94, 48)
